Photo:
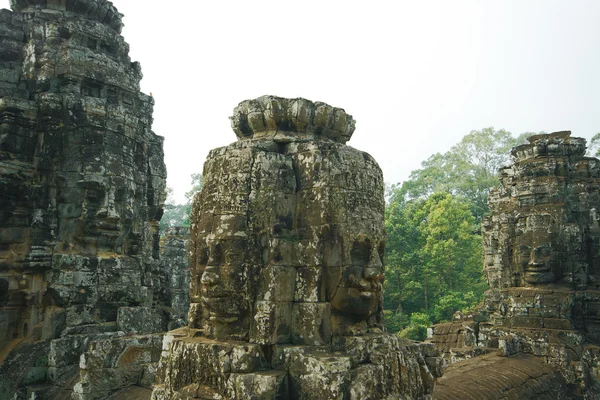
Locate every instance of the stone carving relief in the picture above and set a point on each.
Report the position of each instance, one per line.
(542, 227)
(82, 187)
(541, 246)
(287, 244)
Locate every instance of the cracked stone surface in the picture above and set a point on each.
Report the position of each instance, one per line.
(287, 244)
(82, 184)
(542, 246)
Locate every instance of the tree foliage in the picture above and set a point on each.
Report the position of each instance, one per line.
(434, 256)
(594, 146)
(196, 186)
(179, 214)
(468, 170)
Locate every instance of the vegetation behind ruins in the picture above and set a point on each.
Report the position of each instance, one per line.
(434, 258)
(179, 214)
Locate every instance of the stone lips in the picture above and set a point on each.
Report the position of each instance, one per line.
(100, 10)
(269, 115)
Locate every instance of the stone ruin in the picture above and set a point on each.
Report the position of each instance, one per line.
(286, 248)
(175, 261)
(83, 295)
(542, 261)
(287, 245)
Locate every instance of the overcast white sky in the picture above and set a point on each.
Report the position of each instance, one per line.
(416, 75)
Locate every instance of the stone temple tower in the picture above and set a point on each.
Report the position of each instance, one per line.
(287, 245)
(82, 184)
(542, 261)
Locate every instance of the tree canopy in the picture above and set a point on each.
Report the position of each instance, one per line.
(468, 170)
(179, 214)
(434, 256)
(434, 259)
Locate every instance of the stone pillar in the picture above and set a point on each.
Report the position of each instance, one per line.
(287, 245)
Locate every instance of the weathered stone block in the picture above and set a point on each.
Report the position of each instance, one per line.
(277, 283)
(267, 385)
(272, 322)
(112, 364)
(141, 320)
(320, 376)
(311, 324)
(55, 322)
(310, 285)
(365, 383)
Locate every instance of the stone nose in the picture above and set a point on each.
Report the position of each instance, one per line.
(536, 256)
(374, 271)
(215, 255)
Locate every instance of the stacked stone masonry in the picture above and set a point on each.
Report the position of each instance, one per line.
(82, 186)
(175, 261)
(287, 245)
(542, 248)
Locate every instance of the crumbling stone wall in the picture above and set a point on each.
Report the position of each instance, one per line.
(542, 245)
(82, 184)
(287, 245)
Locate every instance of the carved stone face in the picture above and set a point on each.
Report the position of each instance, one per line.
(537, 257)
(543, 225)
(301, 258)
(360, 289)
(223, 288)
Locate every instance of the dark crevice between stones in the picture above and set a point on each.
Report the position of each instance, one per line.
(4, 296)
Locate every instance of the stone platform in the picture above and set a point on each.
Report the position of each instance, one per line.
(492, 377)
(376, 366)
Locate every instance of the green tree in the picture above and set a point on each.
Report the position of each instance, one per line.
(434, 254)
(179, 214)
(451, 247)
(416, 328)
(189, 195)
(468, 170)
(451, 302)
(169, 210)
(404, 272)
(433, 260)
(594, 147)
(196, 186)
